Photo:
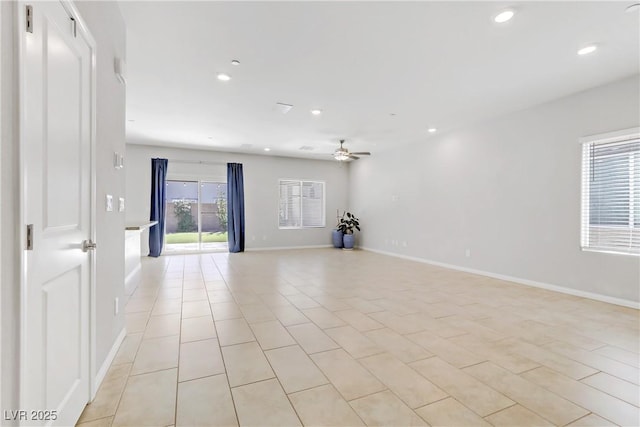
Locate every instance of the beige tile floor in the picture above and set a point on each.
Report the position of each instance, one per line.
(326, 337)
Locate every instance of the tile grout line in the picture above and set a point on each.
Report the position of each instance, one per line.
(215, 328)
(275, 376)
(175, 410)
(115, 413)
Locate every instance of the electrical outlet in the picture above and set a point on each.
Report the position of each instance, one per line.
(109, 203)
(121, 204)
(404, 243)
(467, 253)
(116, 306)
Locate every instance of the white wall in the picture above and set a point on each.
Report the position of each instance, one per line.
(108, 28)
(507, 189)
(261, 174)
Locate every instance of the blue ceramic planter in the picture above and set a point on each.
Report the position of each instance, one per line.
(348, 241)
(336, 235)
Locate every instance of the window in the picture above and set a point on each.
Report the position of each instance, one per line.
(611, 192)
(301, 204)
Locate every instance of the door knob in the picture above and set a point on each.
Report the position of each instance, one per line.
(88, 245)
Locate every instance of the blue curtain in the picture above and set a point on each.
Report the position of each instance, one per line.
(235, 207)
(158, 205)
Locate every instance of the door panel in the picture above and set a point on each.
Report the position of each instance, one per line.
(62, 311)
(213, 209)
(62, 142)
(181, 228)
(56, 173)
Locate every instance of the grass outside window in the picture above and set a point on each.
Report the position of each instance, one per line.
(175, 238)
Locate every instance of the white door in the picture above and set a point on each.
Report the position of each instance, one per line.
(56, 84)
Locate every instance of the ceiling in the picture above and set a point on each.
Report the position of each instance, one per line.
(382, 72)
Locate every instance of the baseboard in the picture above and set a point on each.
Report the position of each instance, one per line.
(283, 248)
(132, 279)
(108, 360)
(575, 292)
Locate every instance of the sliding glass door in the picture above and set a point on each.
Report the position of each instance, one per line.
(213, 214)
(196, 218)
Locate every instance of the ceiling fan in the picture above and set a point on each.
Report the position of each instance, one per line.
(343, 155)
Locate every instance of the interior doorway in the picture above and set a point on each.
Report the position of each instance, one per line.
(196, 216)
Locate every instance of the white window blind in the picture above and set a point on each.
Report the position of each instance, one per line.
(301, 204)
(611, 194)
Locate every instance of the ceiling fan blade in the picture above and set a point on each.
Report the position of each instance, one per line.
(362, 153)
(351, 156)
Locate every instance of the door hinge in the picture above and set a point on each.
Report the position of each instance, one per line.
(29, 19)
(30, 237)
(75, 27)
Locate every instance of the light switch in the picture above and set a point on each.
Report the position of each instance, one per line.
(109, 203)
(118, 160)
(121, 204)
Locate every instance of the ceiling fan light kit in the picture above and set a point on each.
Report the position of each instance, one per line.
(343, 155)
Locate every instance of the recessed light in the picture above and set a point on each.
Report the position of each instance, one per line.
(316, 112)
(504, 16)
(131, 120)
(587, 49)
(224, 77)
(432, 130)
(633, 8)
(210, 137)
(235, 62)
(267, 149)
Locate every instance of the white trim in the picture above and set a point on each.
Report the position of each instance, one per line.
(619, 135)
(607, 251)
(517, 280)
(21, 204)
(130, 280)
(107, 361)
(284, 248)
(2, 95)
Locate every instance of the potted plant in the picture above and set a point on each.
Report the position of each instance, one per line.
(348, 223)
(336, 234)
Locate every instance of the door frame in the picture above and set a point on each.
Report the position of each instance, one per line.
(2, 142)
(82, 31)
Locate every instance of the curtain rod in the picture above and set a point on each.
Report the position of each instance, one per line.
(197, 162)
